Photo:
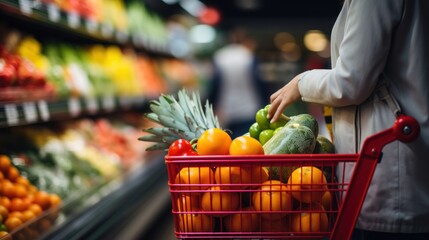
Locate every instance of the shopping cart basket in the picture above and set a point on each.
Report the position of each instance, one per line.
(287, 196)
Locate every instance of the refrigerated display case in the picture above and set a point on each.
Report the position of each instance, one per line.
(126, 204)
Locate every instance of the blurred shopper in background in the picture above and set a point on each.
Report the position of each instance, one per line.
(376, 43)
(237, 90)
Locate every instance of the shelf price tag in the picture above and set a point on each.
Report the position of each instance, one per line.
(107, 30)
(12, 115)
(91, 26)
(26, 6)
(53, 12)
(121, 36)
(125, 102)
(91, 104)
(108, 102)
(30, 111)
(44, 110)
(74, 106)
(73, 19)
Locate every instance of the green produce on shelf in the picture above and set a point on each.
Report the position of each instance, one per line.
(56, 71)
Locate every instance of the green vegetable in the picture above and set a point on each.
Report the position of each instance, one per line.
(265, 135)
(307, 120)
(261, 119)
(291, 139)
(255, 130)
(324, 145)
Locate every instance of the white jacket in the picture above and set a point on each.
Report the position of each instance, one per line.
(370, 39)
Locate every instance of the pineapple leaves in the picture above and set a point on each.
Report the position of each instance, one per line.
(180, 117)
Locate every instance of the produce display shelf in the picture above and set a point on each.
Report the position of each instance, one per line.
(109, 208)
(16, 113)
(48, 15)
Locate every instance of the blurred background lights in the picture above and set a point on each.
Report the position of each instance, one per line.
(202, 34)
(170, 1)
(180, 48)
(193, 7)
(209, 16)
(315, 40)
(283, 38)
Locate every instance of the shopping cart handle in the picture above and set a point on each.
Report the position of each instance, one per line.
(406, 128)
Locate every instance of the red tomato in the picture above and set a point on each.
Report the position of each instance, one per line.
(180, 147)
(191, 152)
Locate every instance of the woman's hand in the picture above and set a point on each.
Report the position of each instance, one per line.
(283, 98)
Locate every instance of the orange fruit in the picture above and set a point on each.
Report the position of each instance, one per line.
(4, 234)
(32, 189)
(27, 215)
(54, 199)
(327, 200)
(215, 200)
(17, 215)
(258, 175)
(307, 184)
(232, 175)
(17, 204)
(5, 202)
(193, 177)
(4, 212)
(242, 221)
(272, 196)
(5, 163)
(214, 141)
(23, 181)
(41, 198)
(196, 223)
(245, 145)
(20, 190)
(186, 203)
(313, 219)
(276, 225)
(13, 173)
(36, 209)
(8, 189)
(12, 222)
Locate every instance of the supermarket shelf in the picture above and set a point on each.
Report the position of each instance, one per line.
(15, 113)
(125, 212)
(49, 15)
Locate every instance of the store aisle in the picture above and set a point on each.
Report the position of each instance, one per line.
(162, 228)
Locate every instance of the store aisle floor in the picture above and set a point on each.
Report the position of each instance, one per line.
(162, 228)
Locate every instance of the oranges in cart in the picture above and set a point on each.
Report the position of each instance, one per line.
(218, 203)
(242, 221)
(307, 184)
(270, 197)
(228, 176)
(187, 203)
(214, 141)
(195, 179)
(313, 218)
(196, 222)
(245, 145)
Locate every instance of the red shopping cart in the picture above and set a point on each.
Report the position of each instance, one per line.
(293, 196)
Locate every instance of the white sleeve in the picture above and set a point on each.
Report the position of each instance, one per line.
(363, 51)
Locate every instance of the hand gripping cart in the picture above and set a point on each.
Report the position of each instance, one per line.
(276, 196)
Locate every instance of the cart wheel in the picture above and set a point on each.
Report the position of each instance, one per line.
(406, 128)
